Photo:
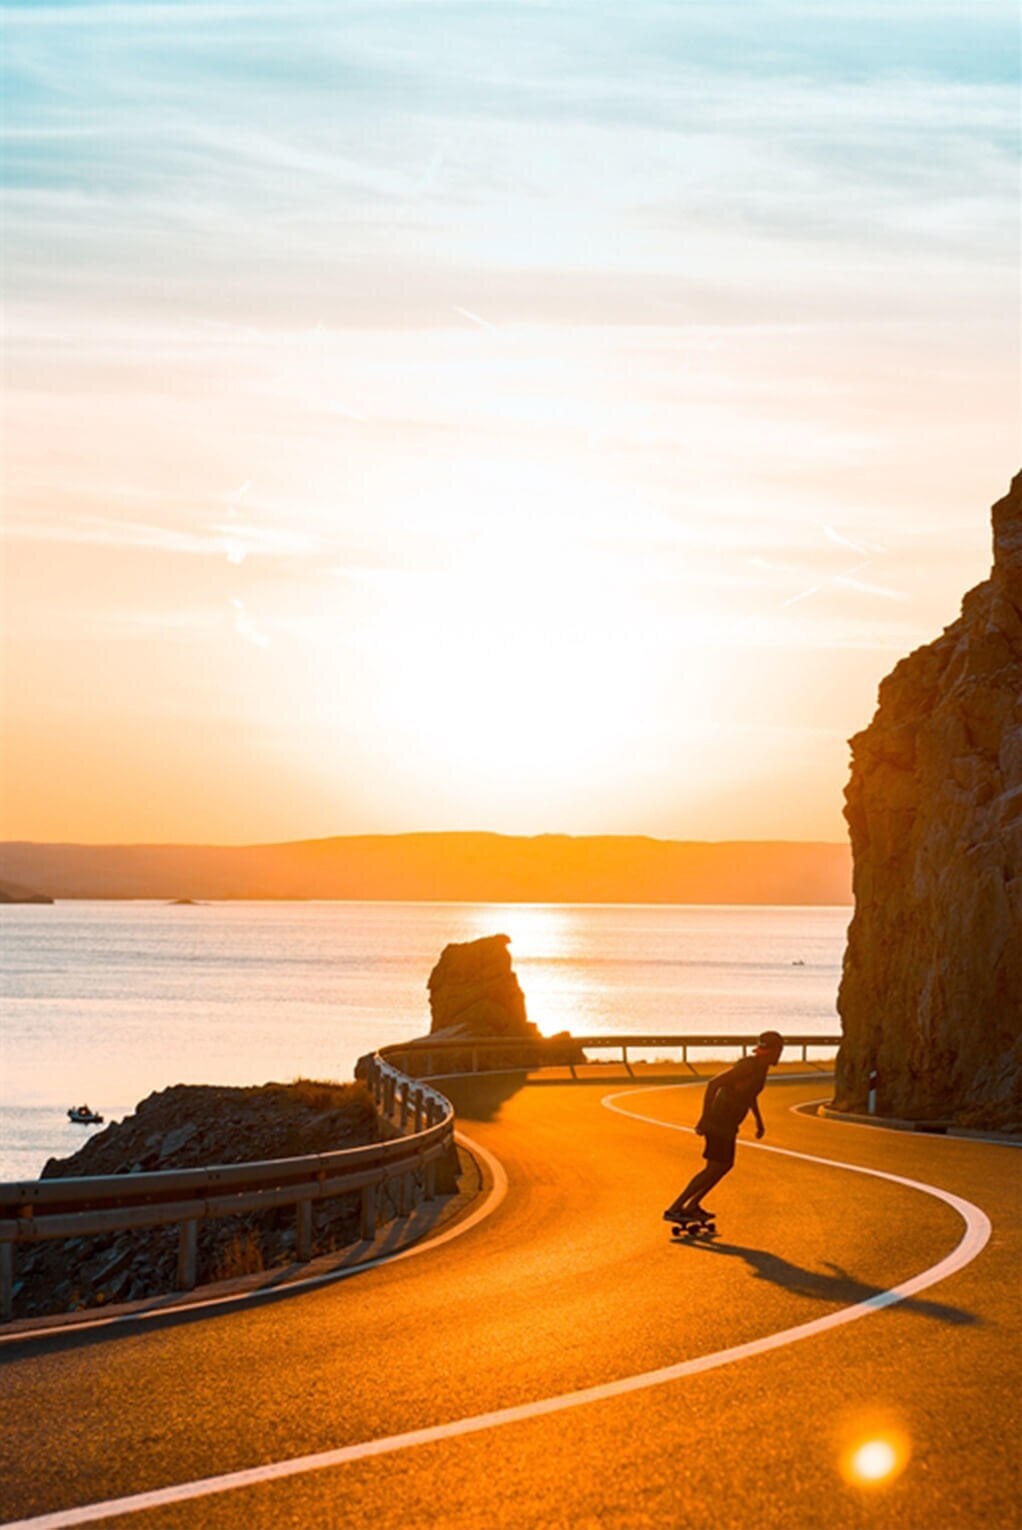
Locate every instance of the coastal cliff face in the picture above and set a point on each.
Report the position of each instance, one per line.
(931, 995)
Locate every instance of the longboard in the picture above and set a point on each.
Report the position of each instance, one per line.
(693, 1228)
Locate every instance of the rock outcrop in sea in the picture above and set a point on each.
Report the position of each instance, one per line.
(473, 991)
(474, 995)
(931, 995)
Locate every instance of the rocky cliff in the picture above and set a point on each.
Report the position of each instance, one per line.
(931, 996)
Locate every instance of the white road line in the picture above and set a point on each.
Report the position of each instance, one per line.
(901, 1131)
(977, 1232)
(491, 1201)
(966, 1210)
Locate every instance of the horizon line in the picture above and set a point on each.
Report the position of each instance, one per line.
(314, 839)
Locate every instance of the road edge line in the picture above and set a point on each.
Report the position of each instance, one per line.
(902, 1127)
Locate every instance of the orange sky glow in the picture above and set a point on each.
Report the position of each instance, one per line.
(544, 438)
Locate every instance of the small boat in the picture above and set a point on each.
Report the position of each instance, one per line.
(83, 1116)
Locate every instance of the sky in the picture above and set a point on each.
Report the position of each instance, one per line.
(531, 417)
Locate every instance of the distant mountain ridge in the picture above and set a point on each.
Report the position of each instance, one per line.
(11, 894)
(446, 867)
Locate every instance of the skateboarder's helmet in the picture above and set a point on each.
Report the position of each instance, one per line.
(770, 1041)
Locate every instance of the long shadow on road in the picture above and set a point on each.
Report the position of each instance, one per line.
(837, 1286)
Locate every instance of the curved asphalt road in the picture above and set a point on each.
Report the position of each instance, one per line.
(573, 1283)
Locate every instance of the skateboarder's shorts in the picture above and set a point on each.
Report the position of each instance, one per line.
(720, 1148)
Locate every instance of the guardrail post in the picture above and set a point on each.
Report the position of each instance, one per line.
(187, 1255)
(404, 1194)
(406, 1090)
(6, 1282)
(805, 1051)
(418, 1110)
(367, 1228)
(303, 1232)
(475, 1059)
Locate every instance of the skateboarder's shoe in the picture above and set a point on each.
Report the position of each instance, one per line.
(680, 1217)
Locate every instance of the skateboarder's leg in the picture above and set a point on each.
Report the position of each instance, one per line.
(695, 1186)
(699, 1185)
(719, 1153)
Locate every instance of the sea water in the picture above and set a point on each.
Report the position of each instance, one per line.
(105, 1002)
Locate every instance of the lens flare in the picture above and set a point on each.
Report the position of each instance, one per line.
(875, 1459)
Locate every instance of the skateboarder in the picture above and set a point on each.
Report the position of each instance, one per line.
(729, 1098)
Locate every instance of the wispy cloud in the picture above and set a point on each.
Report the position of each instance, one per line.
(865, 587)
(474, 318)
(234, 539)
(846, 580)
(221, 149)
(859, 546)
(245, 627)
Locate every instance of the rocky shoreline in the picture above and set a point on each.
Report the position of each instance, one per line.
(474, 993)
(188, 1126)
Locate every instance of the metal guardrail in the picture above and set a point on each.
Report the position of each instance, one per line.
(40, 1209)
(478, 1049)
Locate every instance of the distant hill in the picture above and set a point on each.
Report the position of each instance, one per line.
(9, 893)
(470, 868)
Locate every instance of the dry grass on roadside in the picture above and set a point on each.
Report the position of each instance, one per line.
(323, 1093)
